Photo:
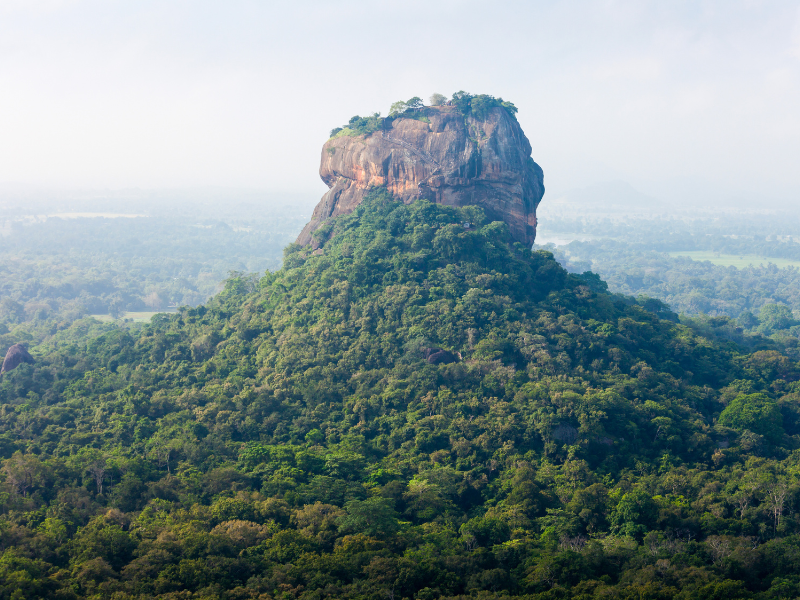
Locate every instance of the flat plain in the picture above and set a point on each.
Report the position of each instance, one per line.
(733, 260)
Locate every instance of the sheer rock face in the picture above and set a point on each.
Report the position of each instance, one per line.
(451, 160)
(15, 356)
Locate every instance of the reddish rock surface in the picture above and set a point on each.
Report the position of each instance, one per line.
(16, 355)
(452, 160)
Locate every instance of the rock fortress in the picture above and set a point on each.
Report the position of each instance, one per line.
(439, 154)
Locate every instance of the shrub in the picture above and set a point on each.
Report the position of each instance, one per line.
(438, 99)
(359, 126)
(478, 106)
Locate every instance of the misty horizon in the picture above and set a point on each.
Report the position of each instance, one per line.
(688, 104)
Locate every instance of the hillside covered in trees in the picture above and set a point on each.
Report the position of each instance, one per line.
(414, 410)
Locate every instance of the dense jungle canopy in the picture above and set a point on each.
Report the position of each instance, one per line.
(289, 439)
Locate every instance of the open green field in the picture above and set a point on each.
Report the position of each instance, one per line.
(732, 260)
(136, 317)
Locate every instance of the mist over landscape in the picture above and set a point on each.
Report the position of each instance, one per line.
(525, 326)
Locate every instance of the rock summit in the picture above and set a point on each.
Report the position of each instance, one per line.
(438, 153)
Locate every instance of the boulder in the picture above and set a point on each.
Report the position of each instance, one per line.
(16, 355)
(438, 356)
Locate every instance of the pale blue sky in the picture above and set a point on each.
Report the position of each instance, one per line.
(694, 100)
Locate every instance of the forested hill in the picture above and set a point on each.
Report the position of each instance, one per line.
(418, 409)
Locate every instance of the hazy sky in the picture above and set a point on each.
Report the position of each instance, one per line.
(689, 100)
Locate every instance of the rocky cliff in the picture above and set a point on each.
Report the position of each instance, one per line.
(440, 155)
(15, 356)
